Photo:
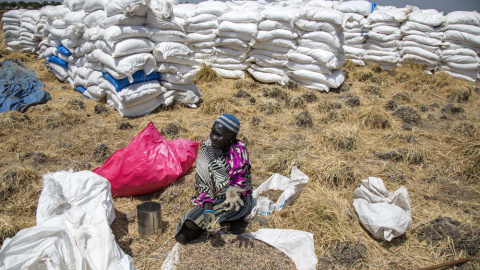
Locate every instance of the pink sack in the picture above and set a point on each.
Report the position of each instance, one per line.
(148, 163)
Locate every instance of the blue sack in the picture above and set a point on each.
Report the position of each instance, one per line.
(61, 49)
(138, 76)
(19, 87)
(57, 61)
(80, 89)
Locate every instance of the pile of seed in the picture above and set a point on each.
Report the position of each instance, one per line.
(231, 252)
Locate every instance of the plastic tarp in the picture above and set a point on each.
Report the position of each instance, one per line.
(384, 214)
(148, 163)
(19, 87)
(74, 214)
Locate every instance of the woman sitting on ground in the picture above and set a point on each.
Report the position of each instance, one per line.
(222, 180)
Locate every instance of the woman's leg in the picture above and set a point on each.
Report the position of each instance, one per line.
(190, 231)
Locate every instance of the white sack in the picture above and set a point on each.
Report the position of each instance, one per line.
(292, 187)
(387, 15)
(384, 214)
(280, 14)
(234, 35)
(230, 74)
(333, 80)
(241, 16)
(310, 26)
(463, 17)
(93, 5)
(268, 77)
(127, 7)
(121, 19)
(429, 17)
(324, 15)
(272, 25)
(244, 28)
(132, 46)
(360, 7)
(277, 33)
(137, 110)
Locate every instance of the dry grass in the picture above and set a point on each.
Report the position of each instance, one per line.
(206, 74)
(340, 148)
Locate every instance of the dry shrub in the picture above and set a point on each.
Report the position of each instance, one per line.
(19, 191)
(468, 164)
(414, 77)
(348, 65)
(342, 138)
(42, 72)
(282, 163)
(206, 74)
(247, 84)
(13, 118)
(446, 83)
(8, 228)
(414, 154)
(218, 106)
(14, 182)
(374, 117)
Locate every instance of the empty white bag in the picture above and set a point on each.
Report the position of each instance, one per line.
(384, 214)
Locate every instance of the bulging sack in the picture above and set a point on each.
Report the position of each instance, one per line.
(148, 163)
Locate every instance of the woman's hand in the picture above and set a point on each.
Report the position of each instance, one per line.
(233, 198)
(209, 218)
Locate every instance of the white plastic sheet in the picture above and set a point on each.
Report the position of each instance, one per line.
(297, 245)
(384, 214)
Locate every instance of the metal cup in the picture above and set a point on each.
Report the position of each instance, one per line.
(149, 218)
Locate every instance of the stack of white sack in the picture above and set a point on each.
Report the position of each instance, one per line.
(316, 62)
(202, 27)
(235, 32)
(28, 29)
(462, 45)
(384, 36)
(123, 47)
(275, 37)
(174, 59)
(176, 62)
(52, 28)
(421, 39)
(356, 13)
(43, 25)
(115, 20)
(11, 28)
(50, 16)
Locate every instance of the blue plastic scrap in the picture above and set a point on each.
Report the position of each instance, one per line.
(19, 87)
(138, 76)
(61, 49)
(373, 6)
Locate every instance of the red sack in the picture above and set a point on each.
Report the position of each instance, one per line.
(148, 163)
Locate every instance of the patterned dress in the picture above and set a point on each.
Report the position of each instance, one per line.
(215, 173)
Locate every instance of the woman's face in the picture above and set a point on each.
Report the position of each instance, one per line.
(221, 137)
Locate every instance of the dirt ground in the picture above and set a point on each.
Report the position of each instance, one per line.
(404, 126)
